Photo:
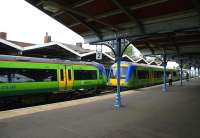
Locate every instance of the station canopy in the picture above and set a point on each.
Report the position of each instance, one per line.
(56, 50)
(155, 27)
(9, 48)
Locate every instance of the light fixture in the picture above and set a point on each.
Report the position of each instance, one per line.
(51, 6)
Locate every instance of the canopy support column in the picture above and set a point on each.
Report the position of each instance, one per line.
(190, 75)
(181, 77)
(164, 88)
(118, 58)
(195, 72)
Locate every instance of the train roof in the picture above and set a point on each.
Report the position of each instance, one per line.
(141, 65)
(44, 60)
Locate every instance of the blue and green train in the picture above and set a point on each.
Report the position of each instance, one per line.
(133, 75)
(26, 75)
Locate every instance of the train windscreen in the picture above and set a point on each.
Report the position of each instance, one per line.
(123, 72)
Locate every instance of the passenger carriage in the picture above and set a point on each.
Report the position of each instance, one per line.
(26, 75)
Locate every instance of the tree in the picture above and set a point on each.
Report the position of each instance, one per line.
(129, 51)
(132, 52)
(186, 66)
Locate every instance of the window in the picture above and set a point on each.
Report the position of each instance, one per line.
(69, 75)
(85, 74)
(17, 75)
(158, 74)
(61, 75)
(3, 77)
(143, 74)
(174, 73)
(123, 72)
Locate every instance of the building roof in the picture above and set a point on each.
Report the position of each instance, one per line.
(9, 48)
(53, 50)
(127, 58)
(152, 63)
(10, 44)
(93, 53)
(141, 60)
(21, 44)
(76, 48)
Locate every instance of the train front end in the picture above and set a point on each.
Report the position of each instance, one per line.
(126, 71)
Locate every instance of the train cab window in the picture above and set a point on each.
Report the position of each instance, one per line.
(61, 75)
(85, 74)
(112, 75)
(123, 72)
(19, 75)
(69, 74)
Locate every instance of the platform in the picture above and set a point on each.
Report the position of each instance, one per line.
(147, 113)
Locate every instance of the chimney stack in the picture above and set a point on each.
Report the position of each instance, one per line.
(3, 35)
(79, 44)
(47, 38)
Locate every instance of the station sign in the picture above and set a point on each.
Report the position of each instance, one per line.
(98, 55)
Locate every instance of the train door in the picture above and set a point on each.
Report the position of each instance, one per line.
(62, 77)
(151, 76)
(70, 77)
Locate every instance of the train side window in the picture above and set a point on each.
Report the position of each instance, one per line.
(3, 76)
(19, 75)
(85, 74)
(158, 74)
(61, 75)
(143, 74)
(69, 75)
(174, 73)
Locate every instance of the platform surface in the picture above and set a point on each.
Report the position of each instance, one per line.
(147, 113)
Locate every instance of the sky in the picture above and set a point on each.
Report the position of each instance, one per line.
(23, 22)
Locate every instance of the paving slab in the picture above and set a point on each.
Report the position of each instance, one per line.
(146, 113)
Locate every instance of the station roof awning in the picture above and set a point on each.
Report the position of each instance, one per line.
(141, 60)
(152, 63)
(127, 58)
(107, 59)
(8, 47)
(153, 26)
(55, 50)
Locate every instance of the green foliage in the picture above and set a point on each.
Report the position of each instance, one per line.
(186, 66)
(129, 51)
